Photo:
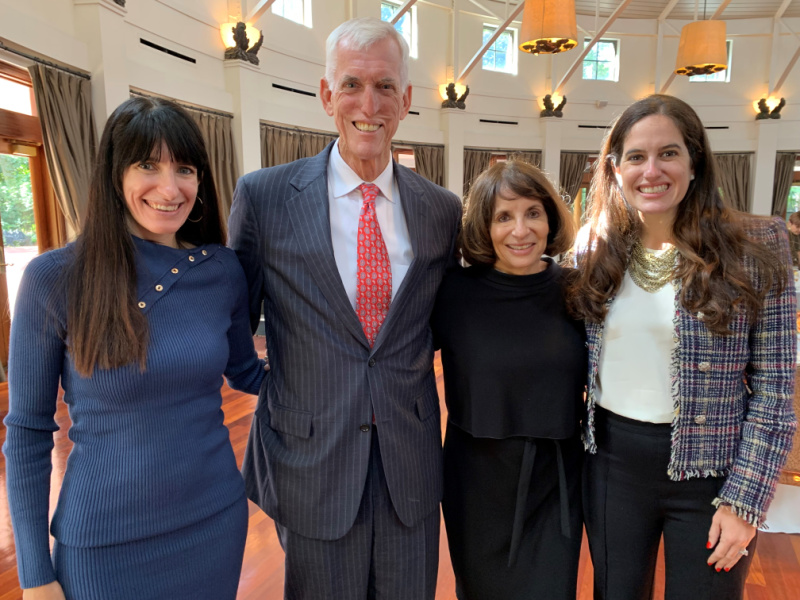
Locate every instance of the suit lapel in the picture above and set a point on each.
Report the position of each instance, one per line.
(415, 209)
(309, 211)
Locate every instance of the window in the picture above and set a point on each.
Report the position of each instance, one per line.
(602, 62)
(407, 25)
(793, 202)
(15, 96)
(298, 11)
(405, 157)
(502, 55)
(722, 76)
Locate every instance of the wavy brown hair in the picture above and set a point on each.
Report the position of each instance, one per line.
(525, 180)
(711, 237)
(105, 327)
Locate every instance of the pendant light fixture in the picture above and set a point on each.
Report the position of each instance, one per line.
(702, 49)
(548, 26)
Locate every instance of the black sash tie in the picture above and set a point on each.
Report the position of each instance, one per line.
(523, 487)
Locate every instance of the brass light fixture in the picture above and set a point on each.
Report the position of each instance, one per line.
(548, 26)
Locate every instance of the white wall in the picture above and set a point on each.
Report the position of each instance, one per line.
(69, 31)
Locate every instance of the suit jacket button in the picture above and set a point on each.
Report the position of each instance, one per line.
(364, 428)
(704, 367)
(700, 419)
(371, 362)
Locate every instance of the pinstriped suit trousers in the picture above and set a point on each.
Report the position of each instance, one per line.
(378, 558)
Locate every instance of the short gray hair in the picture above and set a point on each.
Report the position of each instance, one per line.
(359, 34)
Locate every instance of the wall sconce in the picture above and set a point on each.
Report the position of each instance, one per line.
(460, 89)
(548, 26)
(239, 41)
(769, 108)
(702, 49)
(553, 106)
(453, 95)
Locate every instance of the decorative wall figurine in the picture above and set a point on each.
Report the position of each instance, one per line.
(240, 51)
(549, 109)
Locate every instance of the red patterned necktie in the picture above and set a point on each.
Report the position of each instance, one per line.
(374, 273)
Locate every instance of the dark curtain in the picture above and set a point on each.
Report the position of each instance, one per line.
(217, 133)
(429, 161)
(475, 163)
(733, 178)
(784, 172)
(281, 145)
(573, 165)
(533, 157)
(64, 103)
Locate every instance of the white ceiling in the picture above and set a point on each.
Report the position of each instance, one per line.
(682, 10)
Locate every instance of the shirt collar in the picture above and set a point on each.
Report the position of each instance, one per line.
(345, 180)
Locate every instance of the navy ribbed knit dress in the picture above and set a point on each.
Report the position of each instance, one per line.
(152, 504)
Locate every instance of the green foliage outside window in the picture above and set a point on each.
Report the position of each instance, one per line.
(602, 61)
(793, 202)
(16, 201)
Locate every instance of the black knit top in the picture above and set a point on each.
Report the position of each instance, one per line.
(514, 361)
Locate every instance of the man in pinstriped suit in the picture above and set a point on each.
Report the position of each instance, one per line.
(345, 447)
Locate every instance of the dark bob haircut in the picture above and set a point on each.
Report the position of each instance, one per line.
(524, 180)
(134, 133)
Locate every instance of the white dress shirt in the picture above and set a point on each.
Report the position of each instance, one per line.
(345, 201)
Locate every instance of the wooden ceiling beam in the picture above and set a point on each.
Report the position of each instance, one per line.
(600, 33)
(486, 10)
(479, 54)
(403, 10)
(258, 10)
(782, 8)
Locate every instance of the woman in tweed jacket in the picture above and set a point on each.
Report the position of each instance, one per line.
(691, 335)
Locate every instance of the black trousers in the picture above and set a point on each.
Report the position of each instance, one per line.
(630, 502)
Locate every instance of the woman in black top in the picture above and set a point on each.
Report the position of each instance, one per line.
(514, 369)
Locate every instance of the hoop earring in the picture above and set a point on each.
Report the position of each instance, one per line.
(200, 200)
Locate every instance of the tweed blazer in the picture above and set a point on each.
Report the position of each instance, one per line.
(307, 457)
(732, 394)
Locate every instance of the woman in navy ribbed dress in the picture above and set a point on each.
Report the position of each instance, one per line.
(138, 321)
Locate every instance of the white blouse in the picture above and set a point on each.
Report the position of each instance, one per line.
(633, 371)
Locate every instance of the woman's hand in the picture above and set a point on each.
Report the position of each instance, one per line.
(730, 534)
(50, 591)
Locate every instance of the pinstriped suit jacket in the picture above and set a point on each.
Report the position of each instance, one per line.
(307, 456)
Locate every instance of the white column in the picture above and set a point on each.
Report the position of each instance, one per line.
(452, 124)
(764, 168)
(552, 128)
(242, 82)
(100, 24)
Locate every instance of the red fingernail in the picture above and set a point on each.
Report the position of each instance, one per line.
(718, 569)
(708, 545)
(727, 569)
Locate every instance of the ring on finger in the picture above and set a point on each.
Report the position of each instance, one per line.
(744, 552)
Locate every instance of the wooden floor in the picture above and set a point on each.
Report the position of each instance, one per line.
(775, 574)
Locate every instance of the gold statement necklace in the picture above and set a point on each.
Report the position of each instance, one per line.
(652, 270)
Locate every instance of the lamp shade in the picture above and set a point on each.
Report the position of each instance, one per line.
(702, 49)
(548, 26)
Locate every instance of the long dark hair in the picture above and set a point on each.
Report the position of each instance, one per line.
(105, 327)
(711, 237)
